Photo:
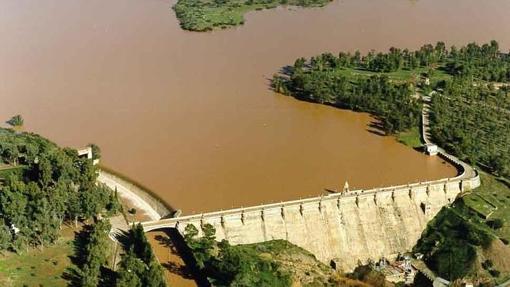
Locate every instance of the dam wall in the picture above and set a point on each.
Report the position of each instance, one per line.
(349, 227)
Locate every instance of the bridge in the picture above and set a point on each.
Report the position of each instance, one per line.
(349, 226)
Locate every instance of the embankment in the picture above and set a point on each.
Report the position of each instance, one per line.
(142, 198)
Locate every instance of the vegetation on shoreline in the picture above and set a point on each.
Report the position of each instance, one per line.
(410, 138)
(205, 15)
(42, 186)
(470, 101)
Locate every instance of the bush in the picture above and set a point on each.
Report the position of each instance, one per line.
(487, 264)
(494, 273)
(495, 223)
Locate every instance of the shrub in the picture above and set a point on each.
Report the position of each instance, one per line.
(487, 264)
(494, 273)
(495, 223)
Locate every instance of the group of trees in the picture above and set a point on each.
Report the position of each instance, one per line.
(227, 265)
(41, 187)
(484, 62)
(92, 252)
(139, 266)
(473, 122)
(394, 60)
(93, 264)
(388, 101)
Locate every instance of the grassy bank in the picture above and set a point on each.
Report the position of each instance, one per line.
(38, 267)
(205, 15)
(410, 138)
(491, 202)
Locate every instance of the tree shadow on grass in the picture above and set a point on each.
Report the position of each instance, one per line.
(73, 274)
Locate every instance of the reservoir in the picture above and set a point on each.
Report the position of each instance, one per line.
(191, 115)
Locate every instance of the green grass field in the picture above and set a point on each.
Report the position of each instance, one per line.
(493, 200)
(401, 75)
(410, 138)
(36, 267)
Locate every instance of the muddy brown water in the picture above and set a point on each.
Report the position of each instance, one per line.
(190, 114)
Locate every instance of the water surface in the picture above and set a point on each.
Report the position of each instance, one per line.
(190, 114)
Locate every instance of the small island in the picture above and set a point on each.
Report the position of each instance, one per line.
(206, 15)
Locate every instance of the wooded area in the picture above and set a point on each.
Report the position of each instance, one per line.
(43, 186)
(470, 98)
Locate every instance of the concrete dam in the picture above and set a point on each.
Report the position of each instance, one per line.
(349, 227)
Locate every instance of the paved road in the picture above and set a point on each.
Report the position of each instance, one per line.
(469, 172)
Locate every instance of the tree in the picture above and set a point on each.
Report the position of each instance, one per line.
(201, 247)
(16, 121)
(96, 151)
(495, 223)
(5, 236)
(155, 276)
(139, 266)
(130, 269)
